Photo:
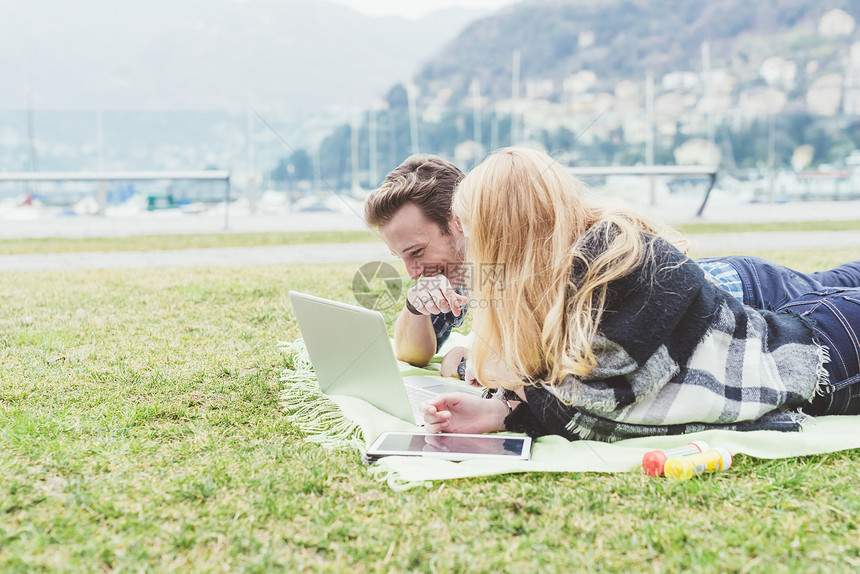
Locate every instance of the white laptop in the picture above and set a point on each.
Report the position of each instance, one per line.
(352, 355)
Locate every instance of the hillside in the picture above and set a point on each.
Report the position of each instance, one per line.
(783, 87)
(622, 39)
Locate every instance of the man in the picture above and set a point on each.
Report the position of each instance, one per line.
(412, 210)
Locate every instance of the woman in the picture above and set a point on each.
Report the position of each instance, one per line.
(604, 330)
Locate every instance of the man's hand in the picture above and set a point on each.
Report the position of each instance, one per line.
(464, 413)
(435, 294)
(451, 361)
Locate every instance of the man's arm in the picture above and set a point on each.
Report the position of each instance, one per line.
(451, 362)
(414, 338)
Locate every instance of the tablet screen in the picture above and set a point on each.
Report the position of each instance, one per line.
(449, 445)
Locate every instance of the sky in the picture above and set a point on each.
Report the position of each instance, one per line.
(174, 54)
(413, 9)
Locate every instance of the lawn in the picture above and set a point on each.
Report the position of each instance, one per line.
(186, 241)
(140, 431)
(207, 240)
(846, 225)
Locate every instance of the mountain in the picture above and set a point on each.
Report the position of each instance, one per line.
(623, 39)
(281, 55)
(783, 86)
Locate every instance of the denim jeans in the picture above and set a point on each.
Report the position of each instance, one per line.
(836, 313)
(768, 285)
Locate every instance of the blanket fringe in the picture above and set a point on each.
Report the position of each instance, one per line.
(823, 353)
(798, 417)
(576, 427)
(309, 409)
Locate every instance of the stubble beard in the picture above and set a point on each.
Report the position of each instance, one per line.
(456, 271)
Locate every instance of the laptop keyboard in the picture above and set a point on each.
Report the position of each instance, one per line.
(416, 396)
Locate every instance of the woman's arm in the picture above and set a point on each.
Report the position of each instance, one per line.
(541, 414)
(465, 413)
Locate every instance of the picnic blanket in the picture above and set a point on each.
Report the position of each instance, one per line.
(342, 422)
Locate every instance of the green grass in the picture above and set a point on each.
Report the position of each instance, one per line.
(693, 228)
(165, 242)
(140, 431)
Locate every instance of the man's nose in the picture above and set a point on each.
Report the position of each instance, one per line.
(415, 270)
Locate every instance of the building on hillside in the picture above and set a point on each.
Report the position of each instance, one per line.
(673, 104)
(693, 124)
(757, 102)
(590, 105)
(436, 108)
(585, 39)
(627, 97)
(779, 73)
(681, 81)
(697, 151)
(824, 96)
(636, 128)
(579, 83)
(474, 98)
(468, 153)
(851, 94)
(540, 89)
(836, 22)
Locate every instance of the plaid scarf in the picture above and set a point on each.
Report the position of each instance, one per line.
(676, 354)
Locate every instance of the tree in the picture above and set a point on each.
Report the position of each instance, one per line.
(294, 168)
(397, 97)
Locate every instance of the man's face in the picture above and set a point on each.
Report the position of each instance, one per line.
(423, 247)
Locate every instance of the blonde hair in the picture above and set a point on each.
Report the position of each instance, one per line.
(525, 216)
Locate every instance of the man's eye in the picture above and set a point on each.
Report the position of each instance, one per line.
(417, 253)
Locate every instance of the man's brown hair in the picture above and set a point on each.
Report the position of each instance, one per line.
(428, 181)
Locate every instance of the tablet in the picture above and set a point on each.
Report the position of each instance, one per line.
(451, 446)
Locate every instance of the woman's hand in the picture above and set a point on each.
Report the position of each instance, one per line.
(464, 413)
